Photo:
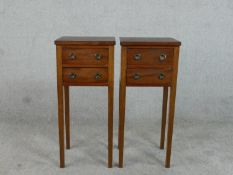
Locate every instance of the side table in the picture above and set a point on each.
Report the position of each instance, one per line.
(149, 62)
(83, 61)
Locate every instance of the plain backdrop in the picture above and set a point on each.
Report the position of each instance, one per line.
(28, 64)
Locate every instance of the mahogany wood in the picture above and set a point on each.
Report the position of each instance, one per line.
(172, 108)
(84, 61)
(149, 77)
(60, 106)
(85, 75)
(164, 116)
(149, 56)
(85, 56)
(85, 41)
(143, 41)
(110, 105)
(67, 115)
(122, 106)
(149, 62)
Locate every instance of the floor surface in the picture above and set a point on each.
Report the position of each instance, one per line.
(200, 146)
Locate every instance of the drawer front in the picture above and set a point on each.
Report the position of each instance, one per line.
(85, 56)
(145, 77)
(85, 75)
(150, 56)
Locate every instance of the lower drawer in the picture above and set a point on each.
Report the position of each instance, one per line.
(85, 76)
(147, 77)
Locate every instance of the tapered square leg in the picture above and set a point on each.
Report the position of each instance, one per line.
(164, 116)
(122, 94)
(121, 124)
(60, 106)
(110, 125)
(170, 125)
(110, 105)
(172, 100)
(61, 127)
(67, 116)
(119, 118)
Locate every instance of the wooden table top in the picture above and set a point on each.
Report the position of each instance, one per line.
(89, 41)
(142, 41)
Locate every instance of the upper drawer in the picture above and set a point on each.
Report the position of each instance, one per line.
(85, 56)
(149, 56)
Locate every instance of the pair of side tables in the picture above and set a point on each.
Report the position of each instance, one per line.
(89, 61)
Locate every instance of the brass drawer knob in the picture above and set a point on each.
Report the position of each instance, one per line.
(162, 57)
(137, 57)
(72, 76)
(98, 76)
(136, 77)
(161, 76)
(72, 56)
(98, 56)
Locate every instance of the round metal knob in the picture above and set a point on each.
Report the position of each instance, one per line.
(137, 57)
(136, 77)
(161, 76)
(72, 76)
(98, 76)
(162, 57)
(98, 56)
(72, 56)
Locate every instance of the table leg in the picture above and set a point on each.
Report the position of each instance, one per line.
(172, 100)
(121, 123)
(67, 116)
(60, 105)
(110, 124)
(119, 120)
(164, 115)
(110, 104)
(170, 124)
(122, 95)
(61, 125)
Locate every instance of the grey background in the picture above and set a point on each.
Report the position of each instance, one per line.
(28, 103)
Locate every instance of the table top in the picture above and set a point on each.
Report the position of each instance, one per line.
(143, 41)
(85, 40)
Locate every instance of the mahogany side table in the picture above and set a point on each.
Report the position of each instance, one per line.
(83, 61)
(149, 62)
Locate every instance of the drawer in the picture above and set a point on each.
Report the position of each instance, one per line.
(85, 56)
(85, 75)
(150, 56)
(153, 77)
